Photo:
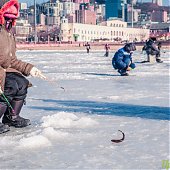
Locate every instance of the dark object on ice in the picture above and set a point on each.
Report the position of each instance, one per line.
(158, 60)
(62, 88)
(119, 140)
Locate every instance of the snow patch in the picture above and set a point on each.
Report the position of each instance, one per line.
(37, 141)
(7, 141)
(66, 120)
(51, 133)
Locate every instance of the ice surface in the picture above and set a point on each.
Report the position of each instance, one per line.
(81, 107)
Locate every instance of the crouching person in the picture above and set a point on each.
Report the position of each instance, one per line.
(152, 49)
(13, 84)
(122, 60)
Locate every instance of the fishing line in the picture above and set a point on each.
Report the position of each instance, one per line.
(52, 82)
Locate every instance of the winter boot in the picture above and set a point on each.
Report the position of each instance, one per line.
(3, 128)
(12, 118)
(123, 72)
(158, 60)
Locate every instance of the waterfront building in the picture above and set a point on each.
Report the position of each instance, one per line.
(112, 30)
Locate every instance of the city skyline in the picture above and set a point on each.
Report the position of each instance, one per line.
(165, 2)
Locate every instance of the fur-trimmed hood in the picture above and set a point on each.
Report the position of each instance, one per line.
(5, 9)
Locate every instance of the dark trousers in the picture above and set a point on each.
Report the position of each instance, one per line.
(156, 53)
(106, 54)
(15, 87)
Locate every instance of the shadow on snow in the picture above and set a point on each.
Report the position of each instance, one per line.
(103, 108)
(101, 74)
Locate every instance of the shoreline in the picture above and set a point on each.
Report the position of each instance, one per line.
(76, 47)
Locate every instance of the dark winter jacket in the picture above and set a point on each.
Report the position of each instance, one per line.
(119, 59)
(107, 47)
(8, 60)
(150, 47)
(87, 46)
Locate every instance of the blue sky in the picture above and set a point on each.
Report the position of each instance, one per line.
(165, 2)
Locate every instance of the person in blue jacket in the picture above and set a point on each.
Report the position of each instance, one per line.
(122, 59)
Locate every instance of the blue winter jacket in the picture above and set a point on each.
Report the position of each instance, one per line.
(121, 59)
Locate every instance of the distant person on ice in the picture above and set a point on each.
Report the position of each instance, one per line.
(13, 84)
(122, 60)
(107, 48)
(151, 49)
(87, 47)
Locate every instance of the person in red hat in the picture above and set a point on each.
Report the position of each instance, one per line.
(13, 84)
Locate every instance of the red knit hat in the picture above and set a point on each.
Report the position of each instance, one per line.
(9, 9)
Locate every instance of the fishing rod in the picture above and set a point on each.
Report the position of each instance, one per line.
(7, 101)
(43, 77)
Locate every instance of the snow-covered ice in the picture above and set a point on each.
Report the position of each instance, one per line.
(81, 107)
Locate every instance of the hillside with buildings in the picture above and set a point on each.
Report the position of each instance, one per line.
(94, 21)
